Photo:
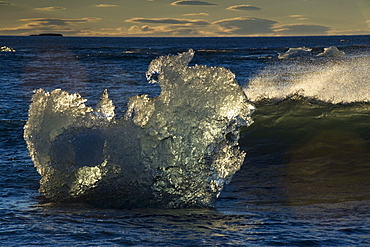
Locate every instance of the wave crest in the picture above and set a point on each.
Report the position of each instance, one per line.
(333, 81)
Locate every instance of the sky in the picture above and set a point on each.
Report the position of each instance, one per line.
(171, 18)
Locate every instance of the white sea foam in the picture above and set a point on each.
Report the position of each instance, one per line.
(332, 81)
(174, 150)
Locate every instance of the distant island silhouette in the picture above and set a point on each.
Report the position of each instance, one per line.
(48, 34)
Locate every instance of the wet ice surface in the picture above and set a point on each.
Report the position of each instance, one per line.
(172, 151)
(306, 53)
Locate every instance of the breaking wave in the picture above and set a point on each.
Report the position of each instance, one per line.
(333, 80)
(172, 151)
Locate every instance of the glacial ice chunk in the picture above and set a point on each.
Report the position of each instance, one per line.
(172, 151)
(331, 51)
(6, 49)
(296, 53)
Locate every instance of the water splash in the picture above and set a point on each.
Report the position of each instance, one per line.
(334, 80)
(175, 150)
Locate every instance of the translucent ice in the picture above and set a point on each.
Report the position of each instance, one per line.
(331, 51)
(175, 150)
(6, 49)
(295, 53)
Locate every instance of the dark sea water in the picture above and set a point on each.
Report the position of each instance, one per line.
(305, 180)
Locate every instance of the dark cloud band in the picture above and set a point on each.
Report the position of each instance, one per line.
(192, 3)
(246, 26)
(172, 21)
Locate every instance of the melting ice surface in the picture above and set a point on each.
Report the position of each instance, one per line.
(331, 51)
(175, 150)
(6, 49)
(295, 53)
(304, 52)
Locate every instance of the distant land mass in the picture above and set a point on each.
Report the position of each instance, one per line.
(48, 34)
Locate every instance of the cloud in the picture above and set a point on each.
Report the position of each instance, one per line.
(168, 27)
(299, 17)
(4, 3)
(61, 22)
(349, 32)
(146, 28)
(241, 26)
(37, 25)
(302, 29)
(50, 8)
(169, 21)
(192, 3)
(105, 5)
(243, 7)
(143, 29)
(163, 30)
(246, 26)
(196, 14)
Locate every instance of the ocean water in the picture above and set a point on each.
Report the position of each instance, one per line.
(305, 180)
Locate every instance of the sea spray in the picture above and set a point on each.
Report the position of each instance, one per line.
(332, 80)
(172, 151)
